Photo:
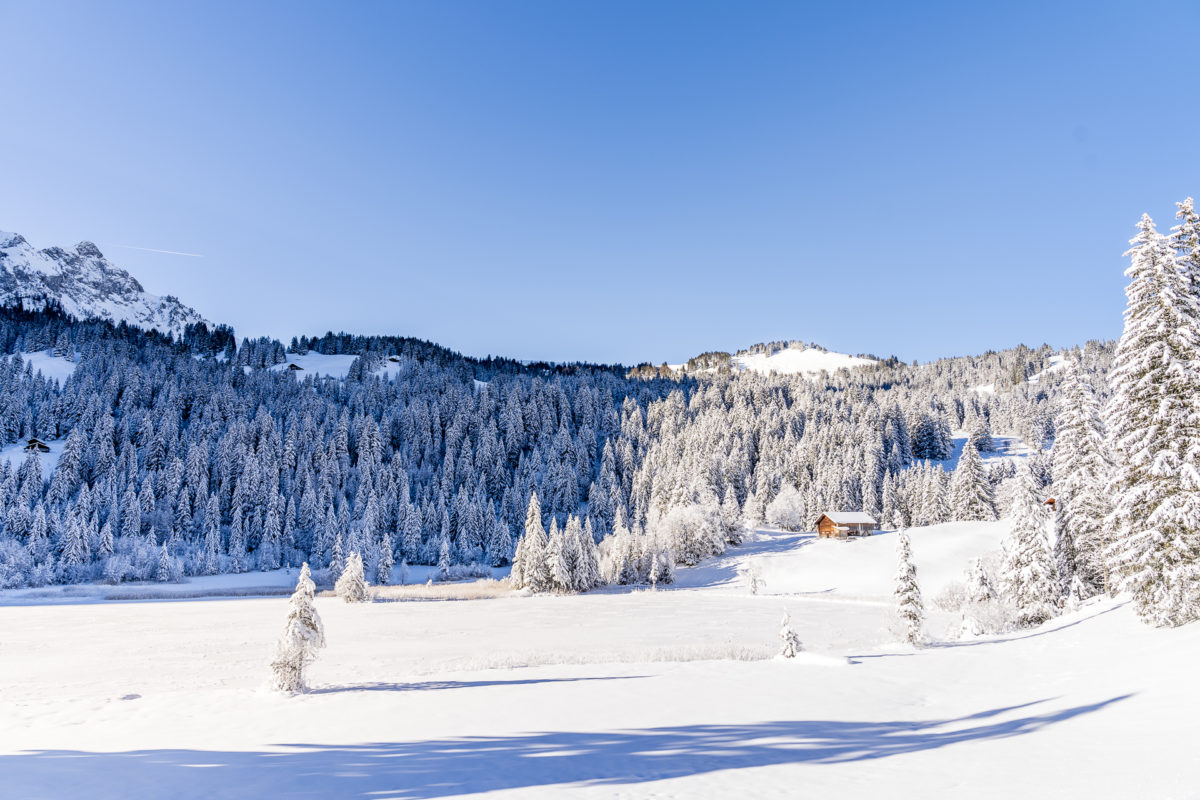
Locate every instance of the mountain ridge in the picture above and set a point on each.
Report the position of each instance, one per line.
(86, 285)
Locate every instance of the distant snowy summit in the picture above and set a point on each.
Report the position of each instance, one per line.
(86, 285)
(781, 358)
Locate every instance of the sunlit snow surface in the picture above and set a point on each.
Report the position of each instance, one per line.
(794, 361)
(617, 693)
(319, 365)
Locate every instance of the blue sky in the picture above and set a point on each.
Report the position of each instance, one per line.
(608, 180)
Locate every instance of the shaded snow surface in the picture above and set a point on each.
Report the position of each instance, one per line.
(617, 693)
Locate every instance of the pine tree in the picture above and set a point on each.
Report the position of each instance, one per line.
(383, 567)
(587, 574)
(75, 550)
(1028, 577)
(337, 563)
(303, 636)
(105, 547)
(909, 606)
(1081, 473)
(237, 542)
(210, 555)
(790, 645)
(561, 555)
(978, 592)
(351, 585)
(443, 565)
(1154, 436)
(530, 567)
(970, 491)
(164, 565)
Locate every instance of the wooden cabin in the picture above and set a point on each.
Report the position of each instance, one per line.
(35, 445)
(1051, 503)
(394, 359)
(294, 367)
(846, 523)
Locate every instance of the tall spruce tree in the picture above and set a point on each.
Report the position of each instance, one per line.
(909, 606)
(1154, 435)
(1028, 576)
(970, 490)
(1081, 474)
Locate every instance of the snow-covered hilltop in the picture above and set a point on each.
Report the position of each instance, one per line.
(781, 358)
(85, 284)
(798, 360)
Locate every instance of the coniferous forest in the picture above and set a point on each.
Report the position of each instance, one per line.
(197, 455)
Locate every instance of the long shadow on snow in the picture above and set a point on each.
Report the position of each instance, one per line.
(995, 640)
(443, 767)
(430, 686)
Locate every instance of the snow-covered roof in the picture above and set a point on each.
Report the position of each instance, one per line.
(850, 518)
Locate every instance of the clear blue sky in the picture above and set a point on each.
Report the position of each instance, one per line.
(610, 180)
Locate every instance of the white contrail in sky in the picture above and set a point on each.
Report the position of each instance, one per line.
(167, 252)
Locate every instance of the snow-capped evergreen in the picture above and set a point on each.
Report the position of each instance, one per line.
(1081, 474)
(909, 606)
(1028, 577)
(531, 568)
(979, 593)
(970, 490)
(789, 640)
(1154, 433)
(385, 562)
(351, 586)
(303, 635)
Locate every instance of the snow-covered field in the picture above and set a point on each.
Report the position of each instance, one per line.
(52, 367)
(319, 364)
(615, 693)
(15, 454)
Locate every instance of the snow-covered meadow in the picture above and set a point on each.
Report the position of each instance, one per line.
(613, 693)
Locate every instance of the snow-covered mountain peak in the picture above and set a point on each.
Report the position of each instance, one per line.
(85, 284)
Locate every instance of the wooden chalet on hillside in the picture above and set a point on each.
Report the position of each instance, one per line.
(846, 523)
(35, 445)
(294, 367)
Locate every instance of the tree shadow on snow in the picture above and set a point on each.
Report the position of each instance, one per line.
(443, 767)
(1044, 630)
(429, 686)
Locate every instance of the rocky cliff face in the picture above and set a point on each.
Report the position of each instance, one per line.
(85, 284)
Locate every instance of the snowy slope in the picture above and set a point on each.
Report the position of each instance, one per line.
(793, 361)
(864, 568)
(629, 694)
(86, 284)
(319, 365)
(15, 455)
(53, 368)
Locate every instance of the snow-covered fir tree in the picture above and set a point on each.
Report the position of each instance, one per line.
(909, 606)
(351, 586)
(303, 635)
(978, 594)
(970, 490)
(1081, 474)
(1154, 431)
(1028, 577)
(789, 641)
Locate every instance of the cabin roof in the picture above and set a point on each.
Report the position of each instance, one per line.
(850, 518)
